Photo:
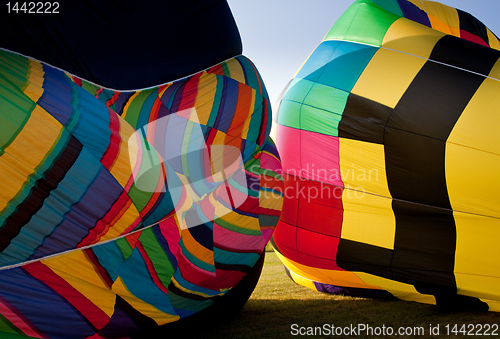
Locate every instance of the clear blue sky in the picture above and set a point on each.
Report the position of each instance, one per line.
(278, 35)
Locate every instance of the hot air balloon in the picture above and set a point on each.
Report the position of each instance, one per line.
(387, 136)
(139, 185)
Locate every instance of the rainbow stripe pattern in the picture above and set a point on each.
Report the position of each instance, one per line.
(84, 252)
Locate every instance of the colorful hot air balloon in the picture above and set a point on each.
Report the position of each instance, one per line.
(130, 200)
(387, 136)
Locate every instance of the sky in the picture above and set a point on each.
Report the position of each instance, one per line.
(279, 35)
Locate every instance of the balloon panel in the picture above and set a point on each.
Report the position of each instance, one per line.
(125, 45)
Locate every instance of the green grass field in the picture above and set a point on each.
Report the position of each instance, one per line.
(278, 303)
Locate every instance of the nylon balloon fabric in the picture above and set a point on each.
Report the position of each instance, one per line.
(389, 151)
(81, 240)
(125, 44)
(123, 211)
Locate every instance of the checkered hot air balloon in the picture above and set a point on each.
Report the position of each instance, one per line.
(388, 138)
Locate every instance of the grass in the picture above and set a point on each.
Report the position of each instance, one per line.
(278, 302)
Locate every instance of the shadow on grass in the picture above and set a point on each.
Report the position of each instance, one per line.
(276, 318)
(277, 304)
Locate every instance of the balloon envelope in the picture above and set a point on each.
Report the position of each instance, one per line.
(387, 137)
(122, 209)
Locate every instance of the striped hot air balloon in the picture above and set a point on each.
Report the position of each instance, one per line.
(137, 177)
